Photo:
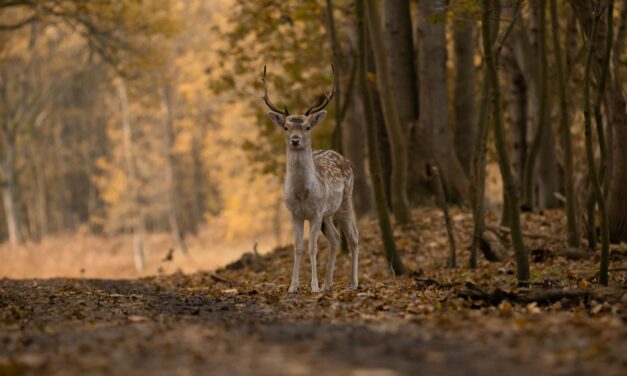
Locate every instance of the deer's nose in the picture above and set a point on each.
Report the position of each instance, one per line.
(295, 141)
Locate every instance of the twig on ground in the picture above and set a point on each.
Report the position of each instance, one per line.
(222, 279)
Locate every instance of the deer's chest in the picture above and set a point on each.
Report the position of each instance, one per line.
(303, 201)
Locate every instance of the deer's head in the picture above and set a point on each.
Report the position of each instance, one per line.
(297, 128)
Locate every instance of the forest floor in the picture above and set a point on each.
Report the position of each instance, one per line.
(240, 320)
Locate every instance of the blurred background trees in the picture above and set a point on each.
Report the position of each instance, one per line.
(143, 117)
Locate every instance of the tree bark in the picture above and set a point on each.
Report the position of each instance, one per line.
(465, 87)
(400, 202)
(516, 94)
(548, 174)
(434, 97)
(569, 185)
(387, 235)
(543, 139)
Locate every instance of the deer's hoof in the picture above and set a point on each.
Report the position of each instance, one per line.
(292, 290)
(315, 288)
(327, 287)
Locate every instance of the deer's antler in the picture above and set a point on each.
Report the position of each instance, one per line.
(267, 99)
(325, 100)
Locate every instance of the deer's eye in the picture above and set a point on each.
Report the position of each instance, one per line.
(285, 128)
(308, 128)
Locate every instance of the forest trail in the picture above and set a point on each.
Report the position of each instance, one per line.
(138, 327)
(241, 321)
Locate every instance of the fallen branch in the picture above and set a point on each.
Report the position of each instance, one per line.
(530, 236)
(222, 279)
(492, 245)
(540, 296)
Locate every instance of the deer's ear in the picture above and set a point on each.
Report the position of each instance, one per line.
(277, 118)
(316, 118)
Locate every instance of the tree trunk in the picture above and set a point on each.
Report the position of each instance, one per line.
(170, 167)
(569, 185)
(616, 203)
(543, 140)
(400, 51)
(335, 47)
(138, 226)
(8, 192)
(403, 78)
(548, 174)
(520, 46)
(522, 259)
(387, 235)
(516, 95)
(465, 86)
(400, 203)
(478, 174)
(434, 97)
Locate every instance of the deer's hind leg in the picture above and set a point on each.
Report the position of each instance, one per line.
(347, 224)
(333, 236)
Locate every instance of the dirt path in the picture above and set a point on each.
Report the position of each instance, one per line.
(65, 326)
(432, 321)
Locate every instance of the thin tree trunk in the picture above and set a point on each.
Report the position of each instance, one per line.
(387, 235)
(8, 191)
(41, 217)
(335, 47)
(464, 95)
(571, 200)
(600, 95)
(441, 199)
(616, 203)
(170, 167)
(478, 170)
(592, 172)
(138, 226)
(522, 259)
(400, 203)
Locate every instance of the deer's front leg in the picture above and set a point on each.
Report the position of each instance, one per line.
(299, 245)
(314, 231)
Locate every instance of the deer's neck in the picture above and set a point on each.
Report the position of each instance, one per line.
(301, 172)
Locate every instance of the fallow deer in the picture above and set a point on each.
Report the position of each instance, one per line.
(318, 188)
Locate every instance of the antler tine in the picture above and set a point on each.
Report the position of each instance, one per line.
(267, 99)
(327, 97)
